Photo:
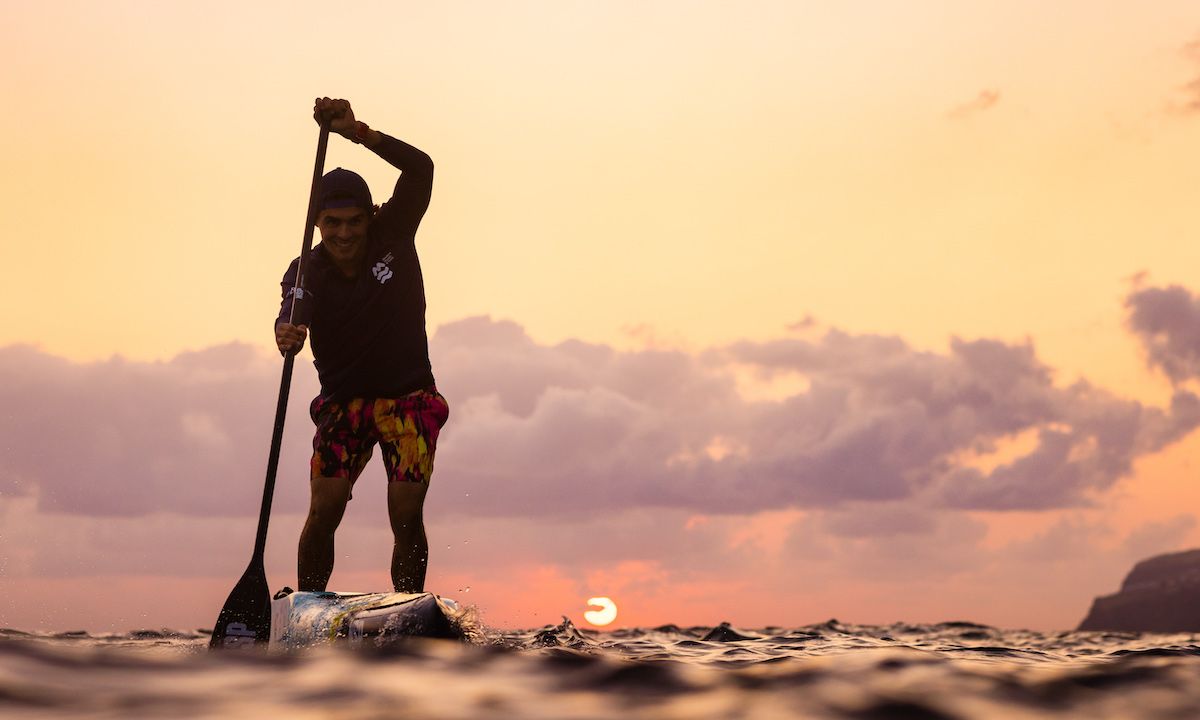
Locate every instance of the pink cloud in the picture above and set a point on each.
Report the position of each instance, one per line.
(576, 469)
(128, 438)
(1191, 89)
(984, 101)
(579, 429)
(1167, 322)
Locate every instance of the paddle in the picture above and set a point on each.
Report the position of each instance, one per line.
(246, 617)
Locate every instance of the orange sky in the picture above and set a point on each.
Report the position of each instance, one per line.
(805, 159)
(635, 174)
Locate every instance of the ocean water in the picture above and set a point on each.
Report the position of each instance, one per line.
(831, 670)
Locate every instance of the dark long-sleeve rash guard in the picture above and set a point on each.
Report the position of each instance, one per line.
(368, 332)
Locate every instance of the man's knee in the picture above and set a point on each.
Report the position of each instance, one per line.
(407, 495)
(405, 503)
(328, 504)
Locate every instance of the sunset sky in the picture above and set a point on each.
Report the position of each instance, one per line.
(767, 312)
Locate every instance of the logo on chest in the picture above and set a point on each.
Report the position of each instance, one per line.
(381, 271)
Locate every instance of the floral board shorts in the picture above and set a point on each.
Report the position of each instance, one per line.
(405, 428)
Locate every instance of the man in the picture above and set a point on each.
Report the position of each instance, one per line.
(364, 300)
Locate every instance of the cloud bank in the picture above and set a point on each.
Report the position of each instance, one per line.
(854, 486)
(578, 429)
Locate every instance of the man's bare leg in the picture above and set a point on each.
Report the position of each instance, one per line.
(314, 563)
(410, 553)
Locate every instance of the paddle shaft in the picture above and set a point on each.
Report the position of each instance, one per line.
(245, 619)
(289, 359)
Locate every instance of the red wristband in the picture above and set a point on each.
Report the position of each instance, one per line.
(360, 131)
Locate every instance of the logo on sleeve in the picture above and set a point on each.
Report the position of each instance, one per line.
(381, 271)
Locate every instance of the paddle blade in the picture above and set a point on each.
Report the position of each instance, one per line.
(246, 618)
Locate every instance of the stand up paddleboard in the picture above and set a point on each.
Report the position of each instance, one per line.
(306, 619)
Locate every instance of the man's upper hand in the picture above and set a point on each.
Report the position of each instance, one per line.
(340, 115)
(290, 337)
(342, 121)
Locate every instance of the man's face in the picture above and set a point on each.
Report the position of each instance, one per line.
(344, 233)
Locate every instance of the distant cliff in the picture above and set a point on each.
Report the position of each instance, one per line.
(1161, 594)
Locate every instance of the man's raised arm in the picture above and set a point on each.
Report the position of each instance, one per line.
(411, 196)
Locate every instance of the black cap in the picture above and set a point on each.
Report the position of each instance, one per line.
(341, 188)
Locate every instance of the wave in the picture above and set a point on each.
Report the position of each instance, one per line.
(829, 670)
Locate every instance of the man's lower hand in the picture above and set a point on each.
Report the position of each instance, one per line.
(290, 337)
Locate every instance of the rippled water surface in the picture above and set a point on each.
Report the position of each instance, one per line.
(948, 670)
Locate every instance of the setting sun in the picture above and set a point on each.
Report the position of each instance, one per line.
(605, 615)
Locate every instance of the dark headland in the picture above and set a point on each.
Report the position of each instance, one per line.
(1160, 594)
